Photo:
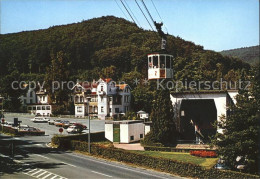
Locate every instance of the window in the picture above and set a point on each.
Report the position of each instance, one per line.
(102, 88)
(141, 136)
(168, 62)
(34, 108)
(150, 63)
(31, 101)
(79, 109)
(24, 101)
(101, 98)
(155, 61)
(102, 109)
(29, 108)
(162, 61)
(126, 108)
(116, 110)
(48, 108)
(110, 110)
(43, 98)
(132, 137)
(126, 99)
(38, 107)
(43, 107)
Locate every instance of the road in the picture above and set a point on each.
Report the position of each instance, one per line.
(36, 160)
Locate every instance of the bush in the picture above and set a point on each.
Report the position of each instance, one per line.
(150, 141)
(161, 164)
(64, 141)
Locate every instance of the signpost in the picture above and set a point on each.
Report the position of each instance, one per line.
(60, 130)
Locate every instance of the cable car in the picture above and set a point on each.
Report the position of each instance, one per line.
(160, 66)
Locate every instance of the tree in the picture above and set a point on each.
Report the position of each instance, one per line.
(56, 74)
(162, 116)
(240, 135)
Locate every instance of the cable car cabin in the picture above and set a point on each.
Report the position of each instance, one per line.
(160, 66)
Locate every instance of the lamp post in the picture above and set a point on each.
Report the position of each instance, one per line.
(88, 99)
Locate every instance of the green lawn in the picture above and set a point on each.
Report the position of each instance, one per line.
(183, 157)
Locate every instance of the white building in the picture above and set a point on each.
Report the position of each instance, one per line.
(40, 106)
(124, 131)
(143, 115)
(83, 91)
(195, 112)
(113, 99)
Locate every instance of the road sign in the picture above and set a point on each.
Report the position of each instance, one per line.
(3, 121)
(60, 130)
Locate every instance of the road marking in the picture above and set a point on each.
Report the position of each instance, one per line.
(31, 171)
(42, 156)
(54, 177)
(47, 175)
(69, 164)
(16, 138)
(101, 174)
(118, 166)
(42, 174)
(36, 172)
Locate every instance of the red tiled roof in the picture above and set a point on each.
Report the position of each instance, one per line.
(122, 86)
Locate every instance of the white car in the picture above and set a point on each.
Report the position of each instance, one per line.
(40, 119)
(74, 129)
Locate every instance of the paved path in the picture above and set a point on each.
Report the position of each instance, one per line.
(134, 146)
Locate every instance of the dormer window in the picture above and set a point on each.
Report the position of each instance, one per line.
(102, 88)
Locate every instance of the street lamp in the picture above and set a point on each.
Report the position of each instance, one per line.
(88, 100)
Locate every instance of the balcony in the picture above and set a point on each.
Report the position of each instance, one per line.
(101, 93)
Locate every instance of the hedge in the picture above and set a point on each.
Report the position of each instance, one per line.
(78, 142)
(64, 141)
(172, 149)
(10, 130)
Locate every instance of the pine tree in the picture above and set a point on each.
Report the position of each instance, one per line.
(241, 128)
(162, 116)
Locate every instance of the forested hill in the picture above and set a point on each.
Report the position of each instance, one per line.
(107, 47)
(250, 55)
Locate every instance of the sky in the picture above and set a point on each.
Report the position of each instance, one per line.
(215, 24)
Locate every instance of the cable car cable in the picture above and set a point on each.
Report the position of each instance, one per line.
(128, 11)
(159, 15)
(121, 10)
(144, 15)
(148, 11)
(132, 13)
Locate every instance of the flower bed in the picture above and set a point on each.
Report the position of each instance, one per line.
(203, 153)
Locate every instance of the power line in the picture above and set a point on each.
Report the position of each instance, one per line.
(144, 15)
(121, 10)
(128, 11)
(159, 15)
(132, 13)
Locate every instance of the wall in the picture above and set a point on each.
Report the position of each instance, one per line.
(109, 132)
(124, 133)
(135, 130)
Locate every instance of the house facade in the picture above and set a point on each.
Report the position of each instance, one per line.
(105, 98)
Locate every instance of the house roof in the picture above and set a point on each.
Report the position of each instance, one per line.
(141, 112)
(122, 86)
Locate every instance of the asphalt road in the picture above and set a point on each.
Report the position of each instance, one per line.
(36, 160)
(50, 130)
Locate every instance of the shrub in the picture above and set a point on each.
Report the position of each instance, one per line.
(161, 164)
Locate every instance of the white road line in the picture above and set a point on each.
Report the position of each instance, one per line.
(69, 164)
(42, 156)
(47, 175)
(54, 177)
(36, 172)
(41, 174)
(16, 138)
(117, 166)
(31, 171)
(101, 174)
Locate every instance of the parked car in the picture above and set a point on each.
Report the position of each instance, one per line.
(80, 126)
(40, 119)
(52, 121)
(64, 124)
(74, 129)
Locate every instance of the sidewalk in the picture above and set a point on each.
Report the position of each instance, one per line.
(134, 146)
